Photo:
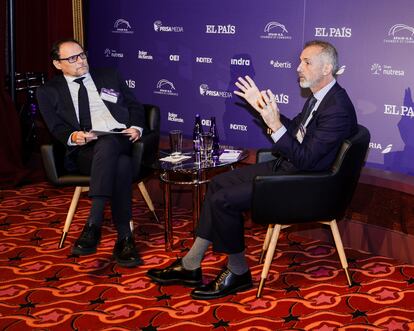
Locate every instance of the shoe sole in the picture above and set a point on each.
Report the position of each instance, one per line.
(82, 252)
(188, 283)
(129, 264)
(241, 288)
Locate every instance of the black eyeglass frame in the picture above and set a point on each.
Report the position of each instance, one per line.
(74, 58)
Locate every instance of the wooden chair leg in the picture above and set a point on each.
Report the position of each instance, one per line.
(266, 242)
(71, 212)
(269, 258)
(148, 200)
(340, 249)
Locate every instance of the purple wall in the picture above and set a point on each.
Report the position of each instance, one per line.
(185, 57)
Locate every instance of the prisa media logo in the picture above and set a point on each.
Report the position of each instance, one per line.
(159, 27)
(400, 34)
(122, 26)
(205, 91)
(275, 30)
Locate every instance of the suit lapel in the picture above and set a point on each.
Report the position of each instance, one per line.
(99, 83)
(69, 109)
(322, 105)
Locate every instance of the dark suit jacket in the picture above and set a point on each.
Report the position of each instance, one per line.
(333, 122)
(57, 108)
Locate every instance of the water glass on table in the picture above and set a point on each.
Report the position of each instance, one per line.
(176, 143)
(206, 145)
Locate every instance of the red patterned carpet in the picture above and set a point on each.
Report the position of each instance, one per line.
(46, 288)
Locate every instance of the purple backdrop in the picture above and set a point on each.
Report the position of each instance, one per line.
(185, 57)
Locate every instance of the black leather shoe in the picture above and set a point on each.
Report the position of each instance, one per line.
(88, 240)
(176, 274)
(125, 253)
(225, 283)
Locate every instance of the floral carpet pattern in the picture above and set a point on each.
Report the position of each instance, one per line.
(46, 288)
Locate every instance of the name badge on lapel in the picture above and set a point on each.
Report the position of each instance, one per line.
(109, 95)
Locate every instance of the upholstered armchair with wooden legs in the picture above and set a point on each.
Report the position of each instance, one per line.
(145, 152)
(322, 197)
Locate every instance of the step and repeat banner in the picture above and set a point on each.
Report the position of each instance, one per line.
(185, 56)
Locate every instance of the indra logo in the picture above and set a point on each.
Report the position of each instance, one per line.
(378, 146)
(112, 53)
(159, 27)
(386, 70)
(205, 91)
(400, 34)
(165, 87)
(275, 30)
(240, 62)
(122, 26)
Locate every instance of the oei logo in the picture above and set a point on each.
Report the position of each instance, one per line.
(165, 87)
(122, 26)
(275, 30)
(400, 34)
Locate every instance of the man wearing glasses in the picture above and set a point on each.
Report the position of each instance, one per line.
(72, 105)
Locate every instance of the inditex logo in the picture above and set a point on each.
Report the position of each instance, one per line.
(205, 91)
(144, 55)
(122, 26)
(386, 70)
(378, 146)
(275, 30)
(237, 127)
(400, 34)
(200, 59)
(159, 27)
(240, 62)
(333, 32)
(165, 87)
(395, 110)
(112, 53)
(221, 29)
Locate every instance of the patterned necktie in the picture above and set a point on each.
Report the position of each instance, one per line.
(308, 110)
(302, 129)
(83, 101)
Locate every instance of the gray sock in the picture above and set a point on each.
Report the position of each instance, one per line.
(192, 260)
(237, 263)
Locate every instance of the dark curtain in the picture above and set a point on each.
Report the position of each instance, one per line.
(38, 24)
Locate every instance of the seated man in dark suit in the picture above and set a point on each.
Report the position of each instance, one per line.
(309, 142)
(72, 105)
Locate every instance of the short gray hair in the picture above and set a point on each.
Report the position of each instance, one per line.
(327, 49)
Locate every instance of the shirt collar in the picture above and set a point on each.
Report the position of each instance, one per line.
(324, 90)
(70, 79)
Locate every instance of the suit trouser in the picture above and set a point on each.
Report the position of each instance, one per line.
(228, 196)
(108, 162)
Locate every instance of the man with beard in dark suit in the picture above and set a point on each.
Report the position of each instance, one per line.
(308, 142)
(72, 105)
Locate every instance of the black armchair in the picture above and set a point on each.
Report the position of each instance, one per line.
(145, 152)
(282, 201)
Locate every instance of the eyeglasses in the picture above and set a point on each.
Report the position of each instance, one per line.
(74, 58)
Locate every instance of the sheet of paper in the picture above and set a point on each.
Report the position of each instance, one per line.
(229, 154)
(175, 159)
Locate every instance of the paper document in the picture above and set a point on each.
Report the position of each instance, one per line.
(102, 133)
(229, 155)
(175, 159)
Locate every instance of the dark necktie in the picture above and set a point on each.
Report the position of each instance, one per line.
(308, 110)
(301, 129)
(83, 101)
